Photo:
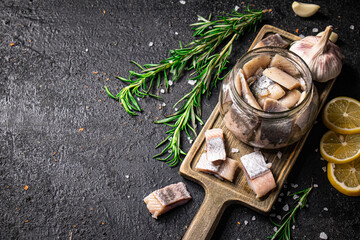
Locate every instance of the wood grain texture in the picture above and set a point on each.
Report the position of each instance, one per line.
(219, 194)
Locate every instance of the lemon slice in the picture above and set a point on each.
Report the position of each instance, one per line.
(342, 115)
(339, 148)
(345, 177)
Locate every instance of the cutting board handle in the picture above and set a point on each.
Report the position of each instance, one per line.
(207, 218)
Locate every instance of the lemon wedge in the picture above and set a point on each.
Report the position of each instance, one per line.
(345, 177)
(339, 148)
(342, 115)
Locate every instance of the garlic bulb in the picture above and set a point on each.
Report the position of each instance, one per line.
(323, 57)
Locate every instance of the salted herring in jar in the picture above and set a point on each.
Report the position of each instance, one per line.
(269, 100)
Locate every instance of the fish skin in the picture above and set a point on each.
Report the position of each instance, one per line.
(284, 64)
(215, 145)
(246, 93)
(162, 200)
(261, 61)
(272, 105)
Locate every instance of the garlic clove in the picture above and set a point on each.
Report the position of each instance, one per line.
(333, 36)
(305, 9)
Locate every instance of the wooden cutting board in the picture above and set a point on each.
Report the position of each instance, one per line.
(220, 194)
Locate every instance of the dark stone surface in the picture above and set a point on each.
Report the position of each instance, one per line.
(90, 184)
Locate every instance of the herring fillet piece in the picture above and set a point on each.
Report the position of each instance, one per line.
(257, 173)
(281, 78)
(215, 146)
(284, 64)
(226, 170)
(162, 200)
(274, 40)
(272, 105)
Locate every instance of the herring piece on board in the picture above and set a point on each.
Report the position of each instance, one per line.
(281, 78)
(261, 61)
(290, 99)
(284, 64)
(225, 170)
(257, 173)
(255, 164)
(167, 198)
(215, 146)
(262, 184)
(272, 105)
(246, 93)
(274, 40)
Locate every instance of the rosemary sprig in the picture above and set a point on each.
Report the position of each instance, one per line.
(284, 231)
(206, 64)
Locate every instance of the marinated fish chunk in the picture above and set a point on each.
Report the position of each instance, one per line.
(167, 198)
(246, 93)
(258, 174)
(215, 145)
(290, 99)
(274, 40)
(281, 78)
(254, 64)
(285, 65)
(272, 105)
(225, 170)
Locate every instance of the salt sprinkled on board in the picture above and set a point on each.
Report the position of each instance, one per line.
(323, 235)
(151, 44)
(246, 222)
(253, 218)
(86, 50)
(326, 209)
(279, 154)
(315, 30)
(237, 8)
(352, 27)
(163, 104)
(176, 33)
(315, 185)
(234, 150)
(192, 82)
(275, 229)
(127, 176)
(170, 83)
(286, 207)
(182, 2)
(295, 197)
(162, 90)
(293, 227)
(324, 169)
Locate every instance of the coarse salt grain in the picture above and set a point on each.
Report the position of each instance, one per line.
(352, 27)
(182, 2)
(253, 218)
(237, 8)
(316, 149)
(127, 176)
(151, 44)
(192, 82)
(170, 83)
(278, 217)
(191, 141)
(323, 235)
(295, 197)
(288, 193)
(162, 90)
(234, 150)
(163, 104)
(286, 207)
(326, 209)
(322, 159)
(246, 222)
(281, 194)
(293, 227)
(273, 215)
(176, 33)
(279, 154)
(301, 35)
(294, 185)
(315, 30)
(324, 169)
(279, 199)
(138, 99)
(176, 109)
(315, 185)
(275, 229)
(86, 50)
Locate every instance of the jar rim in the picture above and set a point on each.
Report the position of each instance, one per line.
(261, 113)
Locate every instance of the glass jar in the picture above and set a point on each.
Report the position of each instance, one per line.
(262, 129)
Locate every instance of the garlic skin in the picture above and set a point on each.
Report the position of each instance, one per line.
(323, 57)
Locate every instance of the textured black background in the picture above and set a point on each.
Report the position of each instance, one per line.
(91, 184)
